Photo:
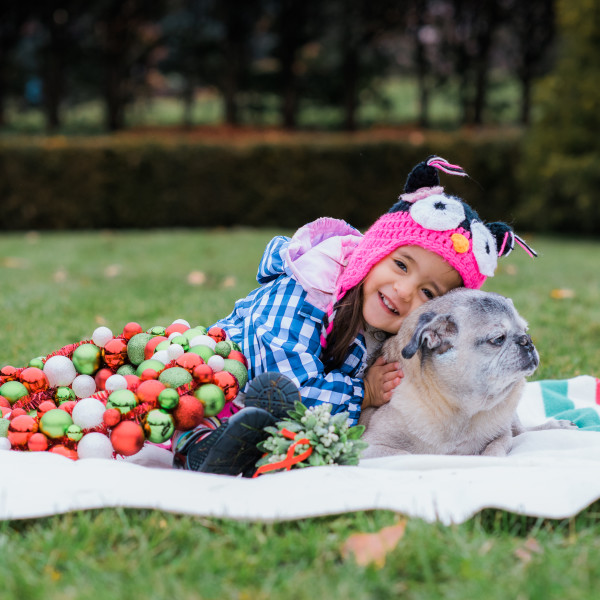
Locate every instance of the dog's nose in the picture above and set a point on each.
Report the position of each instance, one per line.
(524, 340)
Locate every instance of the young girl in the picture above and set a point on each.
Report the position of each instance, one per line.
(330, 296)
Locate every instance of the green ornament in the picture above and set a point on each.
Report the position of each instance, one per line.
(223, 349)
(156, 330)
(55, 423)
(190, 334)
(124, 400)
(135, 347)
(162, 346)
(38, 362)
(13, 391)
(237, 369)
(4, 423)
(182, 341)
(204, 352)
(159, 426)
(175, 377)
(151, 363)
(74, 432)
(64, 394)
(168, 399)
(86, 359)
(212, 397)
(235, 346)
(126, 369)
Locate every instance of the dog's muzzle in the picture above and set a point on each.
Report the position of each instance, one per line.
(529, 354)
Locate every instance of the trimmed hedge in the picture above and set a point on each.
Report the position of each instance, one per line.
(140, 182)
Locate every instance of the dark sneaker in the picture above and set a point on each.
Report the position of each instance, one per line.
(274, 393)
(231, 448)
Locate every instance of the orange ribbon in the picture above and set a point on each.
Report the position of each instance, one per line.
(290, 460)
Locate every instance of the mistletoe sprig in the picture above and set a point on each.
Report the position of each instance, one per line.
(311, 437)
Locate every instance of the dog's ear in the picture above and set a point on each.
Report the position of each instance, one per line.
(434, 333)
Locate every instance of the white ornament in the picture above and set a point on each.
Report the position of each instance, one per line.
(84, 386)
(60, 371)
(102, 335)
(161, 356)
(115, 382)
(181, 322)
(174, 351)
(88, 413)
(5, 444)
(94, 445)
(203, 340)
(216, 362)
(174, 335)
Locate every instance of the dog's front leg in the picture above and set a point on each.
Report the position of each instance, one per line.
(500, 446)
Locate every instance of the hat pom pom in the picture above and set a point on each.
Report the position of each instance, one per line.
(422, 175)
(504, 236)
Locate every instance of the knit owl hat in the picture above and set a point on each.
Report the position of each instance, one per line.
(427, 217)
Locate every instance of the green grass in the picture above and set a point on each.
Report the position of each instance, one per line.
(57, 287)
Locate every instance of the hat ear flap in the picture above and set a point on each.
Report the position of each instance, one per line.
(504, 236)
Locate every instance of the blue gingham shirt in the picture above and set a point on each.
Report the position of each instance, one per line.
(279, 330)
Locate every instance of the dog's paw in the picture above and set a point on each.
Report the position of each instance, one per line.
(554, 424)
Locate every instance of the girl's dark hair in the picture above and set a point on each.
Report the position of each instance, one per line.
(346, 325)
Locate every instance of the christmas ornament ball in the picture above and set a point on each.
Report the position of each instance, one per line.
(152, 363)
(88, 413)
(136, 346)
(174, 351)
(175, 377)
(4, 424)
(148, 391)
(59, 370)
(131, 329)
(83, 386)
(188, 413)
(94, 445)
(4, 402)
(228, 383)
(38, 362)
(212, 397)
(5, 444)
(176, 327)
(127, 438)
(239, 356)
(218, 334)
(45, 406)
(64, 394)
(162, 356)
(55, 423)
(13, 391)
(101, 376)
(86, 359)
(111, 417)
(203, 340)
(188, 361)
(34, 379)
(204, 352)
(74, 433)
(115, 353)
(151, 344)
(203, 373)
(168, 398)
(126, 370)
(124, 400)
(115, 382)
(38, 442)
(20, 430)
(159, 426)
(216, 362)
(62, 450)
(102, 335)
(236, 368)
(223, 349)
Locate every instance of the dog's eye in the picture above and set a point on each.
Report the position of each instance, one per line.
(498, 340)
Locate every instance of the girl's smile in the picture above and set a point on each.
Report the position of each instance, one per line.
(402, 281)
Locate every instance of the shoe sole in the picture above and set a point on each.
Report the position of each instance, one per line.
(274, 393)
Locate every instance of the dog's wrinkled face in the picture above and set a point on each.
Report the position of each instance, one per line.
(472, 344)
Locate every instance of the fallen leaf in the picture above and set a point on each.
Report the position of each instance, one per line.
(196, 278)
(229, 282)
(530, 547)
(367, 548)
(14, 262)
(511, 270)
(112, 271)
(60, 276)
(561, 294)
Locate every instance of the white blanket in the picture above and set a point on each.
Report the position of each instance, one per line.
(550, 474)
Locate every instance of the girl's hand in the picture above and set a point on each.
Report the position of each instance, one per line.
(380, 380)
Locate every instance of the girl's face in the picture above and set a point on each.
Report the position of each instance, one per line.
(401, 282)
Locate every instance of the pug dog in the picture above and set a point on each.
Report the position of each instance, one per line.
(465, 357)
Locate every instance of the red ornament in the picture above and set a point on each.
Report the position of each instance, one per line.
(176, 327)
(132, 382)
(203, 373)
(8, 373)
(239, 356)
(34, 379)
(188, 414)
(69, 405)
(4, 402)
(228, 383)
(17, 412)
(127, 438)
(64, 451)
(20, 430)
(101, 376)
(115, 353)
(45, 406)
(4, 411)
(149, 390)
(111, 417)
(149, 375)
(131, 329)
(151, 345)
(38, 442)
(217, 334)
(188, 361)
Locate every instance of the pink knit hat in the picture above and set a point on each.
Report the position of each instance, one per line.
(424, 216)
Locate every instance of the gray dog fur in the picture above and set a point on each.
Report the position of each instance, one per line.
(465, 357)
